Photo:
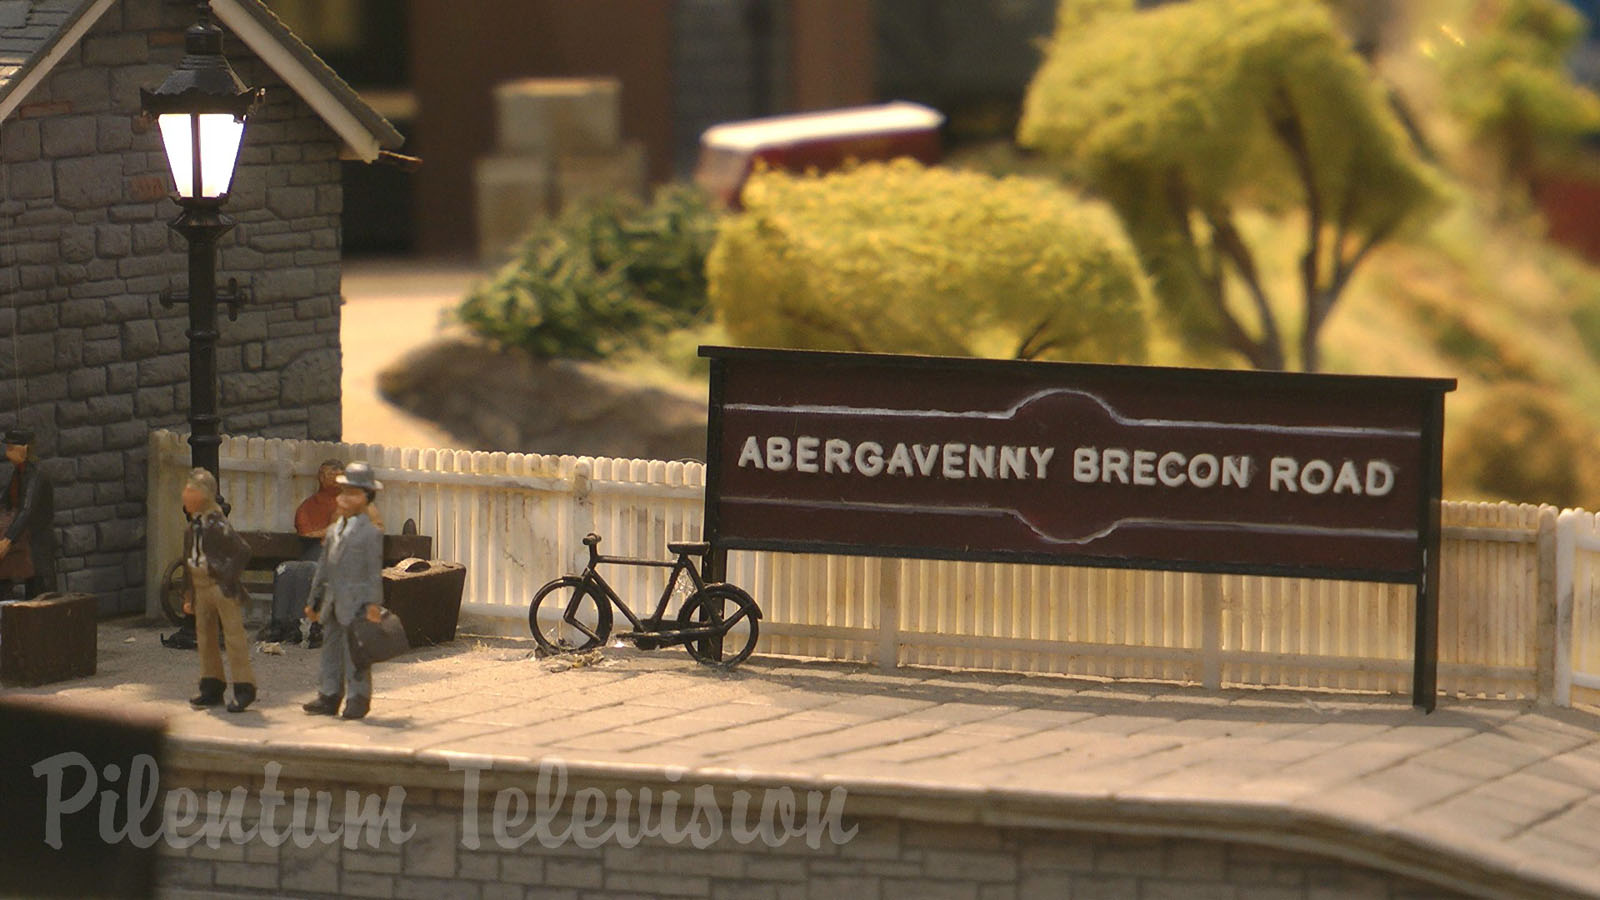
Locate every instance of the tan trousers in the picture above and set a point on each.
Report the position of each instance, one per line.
(211, 605)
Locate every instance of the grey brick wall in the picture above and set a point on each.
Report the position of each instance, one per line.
(888, 859)
(87, 351)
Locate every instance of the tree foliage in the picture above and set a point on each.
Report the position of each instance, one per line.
(900, 258)
(1506, 78)
(600, 277)
(1184, 114)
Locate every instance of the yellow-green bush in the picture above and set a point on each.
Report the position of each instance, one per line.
(1523, 443)
(896, 257)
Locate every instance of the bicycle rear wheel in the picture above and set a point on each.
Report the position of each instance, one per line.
(734, 611)
(172, 593)
(566, 616)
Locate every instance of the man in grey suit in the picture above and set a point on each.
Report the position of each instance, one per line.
(348, 583)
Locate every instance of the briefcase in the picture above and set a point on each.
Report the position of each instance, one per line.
(374, 642)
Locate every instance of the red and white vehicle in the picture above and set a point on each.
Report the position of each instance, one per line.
(820, 140)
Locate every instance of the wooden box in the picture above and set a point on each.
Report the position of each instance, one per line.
(49, 638)
(426, 595)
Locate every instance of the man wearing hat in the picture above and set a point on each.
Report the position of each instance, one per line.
(348, 583)
(28, 498)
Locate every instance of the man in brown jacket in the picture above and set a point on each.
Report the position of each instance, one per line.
(214, 557)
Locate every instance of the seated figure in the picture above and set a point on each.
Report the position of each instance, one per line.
(291, 581)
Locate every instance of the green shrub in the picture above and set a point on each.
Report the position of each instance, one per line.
(599, 278)
(900, 258)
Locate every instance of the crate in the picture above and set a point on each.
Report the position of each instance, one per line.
(49, 638)
(426, 595)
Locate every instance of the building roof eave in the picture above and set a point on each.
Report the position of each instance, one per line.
(364, 132)
(21, 82)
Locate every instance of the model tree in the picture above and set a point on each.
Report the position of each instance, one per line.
(900, 258)
(1184, 115)
(1506, 78)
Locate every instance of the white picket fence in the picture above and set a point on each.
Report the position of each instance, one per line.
(1520, 593)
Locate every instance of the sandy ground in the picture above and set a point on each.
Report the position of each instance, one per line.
(392, 307)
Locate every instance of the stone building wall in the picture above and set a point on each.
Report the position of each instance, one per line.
(87, 350)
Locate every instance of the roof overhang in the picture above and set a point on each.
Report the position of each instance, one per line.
(364, 132)
(361, 141)
(13, 92)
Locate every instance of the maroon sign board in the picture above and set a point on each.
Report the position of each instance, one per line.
(1319, 476)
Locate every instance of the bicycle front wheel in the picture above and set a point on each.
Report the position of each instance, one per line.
(733, 612)
(567, 616)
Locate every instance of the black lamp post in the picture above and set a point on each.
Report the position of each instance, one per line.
(201, 109)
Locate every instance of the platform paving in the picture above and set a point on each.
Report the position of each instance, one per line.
(1490, 797)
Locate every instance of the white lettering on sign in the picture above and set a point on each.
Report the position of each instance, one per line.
(1318, 476)
(1136, 467)
(805, 454)
(1149, 468)
(836, 456)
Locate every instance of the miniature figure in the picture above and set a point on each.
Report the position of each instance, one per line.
(30, 538)
(291, 581)
(214, 557)
(348, 583)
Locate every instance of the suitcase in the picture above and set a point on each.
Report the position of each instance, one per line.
(49, 638)
(426, 595)
(374, 642)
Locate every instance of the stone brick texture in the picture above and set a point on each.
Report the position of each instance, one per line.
(89, 356)
(885, 859)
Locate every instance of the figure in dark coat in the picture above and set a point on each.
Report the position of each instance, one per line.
(27, 496)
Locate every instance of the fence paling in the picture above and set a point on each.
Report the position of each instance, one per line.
(516, 520)
(1577, 647)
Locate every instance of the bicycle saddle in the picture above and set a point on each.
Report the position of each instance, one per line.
(591, 539)
(693, 548)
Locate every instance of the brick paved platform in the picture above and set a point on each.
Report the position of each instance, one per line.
(1487, 798)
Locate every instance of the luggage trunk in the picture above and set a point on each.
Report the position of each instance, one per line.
(426, 595)
(49, 638)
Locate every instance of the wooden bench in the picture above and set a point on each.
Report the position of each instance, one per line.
(270, 548)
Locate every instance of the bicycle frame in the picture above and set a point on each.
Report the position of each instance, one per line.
(575, 612)
(683, 564)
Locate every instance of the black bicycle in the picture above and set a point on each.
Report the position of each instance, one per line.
(717, 624)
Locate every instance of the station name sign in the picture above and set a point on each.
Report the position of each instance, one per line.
(1201, 470)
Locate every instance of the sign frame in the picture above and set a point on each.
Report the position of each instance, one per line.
(1421, 566)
